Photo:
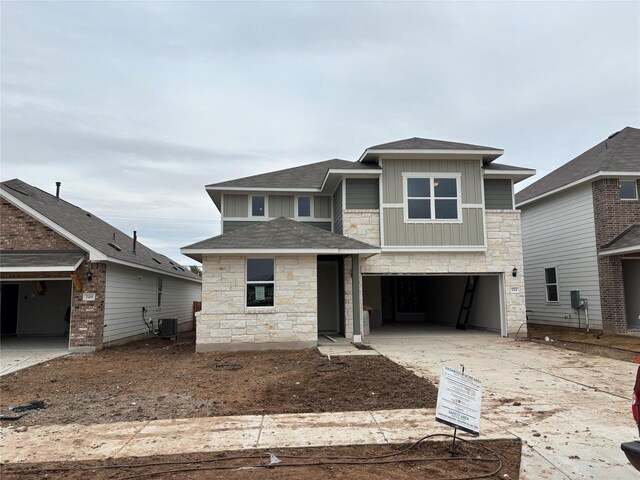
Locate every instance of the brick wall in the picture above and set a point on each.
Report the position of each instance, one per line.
(612, 216)
(19, 231)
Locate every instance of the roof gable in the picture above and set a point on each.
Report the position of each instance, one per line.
(417, 143)
(620, 152)
(91, 230)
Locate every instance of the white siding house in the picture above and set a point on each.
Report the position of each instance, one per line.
(560, 233)
(128, 290)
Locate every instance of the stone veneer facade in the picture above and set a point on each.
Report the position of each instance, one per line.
(362, 224)
(504, 251)
(612, 216)
(225, 323)
(20, 231)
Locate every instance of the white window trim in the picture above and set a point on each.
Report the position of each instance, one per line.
(635, 188)
(247, 283)
(557, 284)
(266, 207)
(311, 207)
(431, 175)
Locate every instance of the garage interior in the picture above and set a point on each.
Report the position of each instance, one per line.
(35, 310)
(432, 303)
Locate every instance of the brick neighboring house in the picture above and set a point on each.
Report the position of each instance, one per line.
(581, 231)
(65, 272)
(423, 232)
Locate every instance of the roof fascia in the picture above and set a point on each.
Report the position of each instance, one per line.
(94, 254)
(279, 251)
(260, 189)
(430, 151)
(594, 176)
(348, 171)
(150, 269)
(61, 268)
(619, 251)
(517, 175)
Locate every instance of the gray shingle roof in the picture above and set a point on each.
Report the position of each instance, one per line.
(417, 143)
(618, 153)
(502, 166)
(305, 176)
(279, 234)
(30, 258)
(91, 229)
(630, 238)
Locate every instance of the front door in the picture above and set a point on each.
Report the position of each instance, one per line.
(631, 277)
(328, 296)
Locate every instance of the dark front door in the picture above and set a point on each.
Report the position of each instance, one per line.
(329, 296)
(9, 309)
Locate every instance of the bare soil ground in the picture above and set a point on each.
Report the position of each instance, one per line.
(163, 379)
(430, 459)
(618, 347)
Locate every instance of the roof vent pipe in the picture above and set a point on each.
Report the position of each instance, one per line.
(58, 189)
(135, 241)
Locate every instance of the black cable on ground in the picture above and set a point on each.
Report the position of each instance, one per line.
(320, 461)
(330, 366)
(219, 365)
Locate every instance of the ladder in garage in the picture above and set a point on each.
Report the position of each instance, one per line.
(467, 301)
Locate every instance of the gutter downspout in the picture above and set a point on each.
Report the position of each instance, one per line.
(357, 303)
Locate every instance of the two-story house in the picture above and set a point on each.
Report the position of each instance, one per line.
(422, 232)
(581, 232)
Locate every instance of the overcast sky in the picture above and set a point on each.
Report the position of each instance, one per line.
(135, 106)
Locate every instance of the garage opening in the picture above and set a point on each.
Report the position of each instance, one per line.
(433, 303)
(35, 312)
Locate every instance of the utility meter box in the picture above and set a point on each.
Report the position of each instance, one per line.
(576, 301)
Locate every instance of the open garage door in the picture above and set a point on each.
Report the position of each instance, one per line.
(434, 302)
(35, 309)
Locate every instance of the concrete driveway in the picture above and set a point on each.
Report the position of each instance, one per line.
(19, 353)
(571, 410)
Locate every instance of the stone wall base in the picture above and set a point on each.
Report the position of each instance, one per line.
(234, 347)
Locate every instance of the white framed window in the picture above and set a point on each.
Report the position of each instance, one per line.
(260, 274)
(257, 206)
(628, 190)
(159, 292)
(551, 284)
(304, 207)
(432, 197)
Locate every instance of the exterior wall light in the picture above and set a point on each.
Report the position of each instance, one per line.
(514, 272)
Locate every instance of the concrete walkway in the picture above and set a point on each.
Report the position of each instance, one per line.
(213, 434)
(572, 410)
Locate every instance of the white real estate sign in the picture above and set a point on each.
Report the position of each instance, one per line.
(459, 399)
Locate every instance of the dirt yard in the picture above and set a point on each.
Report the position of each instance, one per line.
(618, 347)
(430, 459)
(163, 379)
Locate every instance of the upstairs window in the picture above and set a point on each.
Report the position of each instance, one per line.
(628, 190)
(304, 206)
(432, 198)
(551, 283)
(258, 206)
(260, 282)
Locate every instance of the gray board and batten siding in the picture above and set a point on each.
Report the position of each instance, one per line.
(560, 232)
(362, 193)
(498, 194)
(337, 210)
(433, 234)
(236, 206)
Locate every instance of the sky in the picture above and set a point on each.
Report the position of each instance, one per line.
(135, 106)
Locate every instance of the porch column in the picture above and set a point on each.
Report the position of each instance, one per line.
(357, 301)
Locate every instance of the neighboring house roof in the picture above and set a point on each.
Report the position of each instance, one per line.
(310, 176)
(620, 153)
(426, 145)
(627, 242)
(88, 231)
(281, 235)
(39, 260)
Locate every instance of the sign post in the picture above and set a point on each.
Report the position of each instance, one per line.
(459, 402)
